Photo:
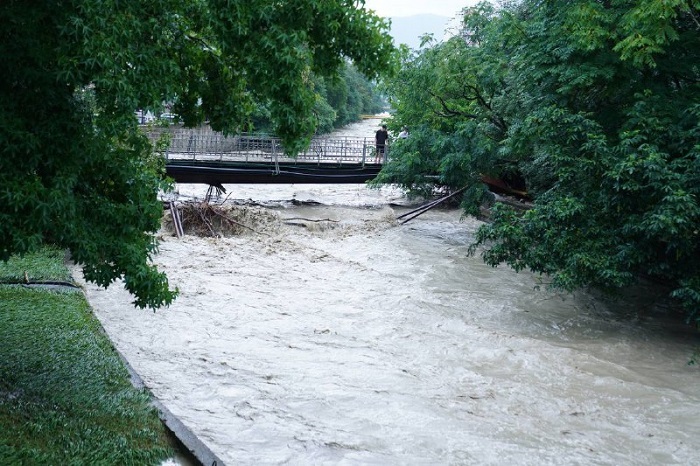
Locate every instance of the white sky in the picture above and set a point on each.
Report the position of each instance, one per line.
(395, 8)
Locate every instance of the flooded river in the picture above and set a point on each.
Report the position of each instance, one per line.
(329, 334)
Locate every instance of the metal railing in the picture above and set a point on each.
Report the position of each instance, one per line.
(207, 145)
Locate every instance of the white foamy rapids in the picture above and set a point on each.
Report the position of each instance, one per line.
(344, 338)
(285, 195)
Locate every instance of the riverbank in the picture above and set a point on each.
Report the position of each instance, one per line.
(65, 394)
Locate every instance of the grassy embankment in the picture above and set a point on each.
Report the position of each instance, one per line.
(65, 395)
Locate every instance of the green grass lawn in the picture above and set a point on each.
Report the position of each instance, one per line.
(46, 264)
(65, 395)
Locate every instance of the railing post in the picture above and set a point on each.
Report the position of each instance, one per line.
(341, 152)
(189, 145)
(274, 153)
(364, 152)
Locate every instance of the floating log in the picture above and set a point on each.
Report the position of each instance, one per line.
(177, 222)
(426, 207)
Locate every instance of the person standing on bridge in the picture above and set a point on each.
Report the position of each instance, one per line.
(381, 139)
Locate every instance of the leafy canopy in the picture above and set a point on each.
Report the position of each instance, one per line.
(74, 168)
(595, 106)
(340, 99)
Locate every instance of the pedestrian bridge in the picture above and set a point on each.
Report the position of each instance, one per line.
(204, 156)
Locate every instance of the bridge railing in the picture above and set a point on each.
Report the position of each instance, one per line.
(207, 145)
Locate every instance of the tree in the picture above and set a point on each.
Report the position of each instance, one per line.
(350, 94)
(340, 100)
(595, 105)
(76, 171)
(451, 96)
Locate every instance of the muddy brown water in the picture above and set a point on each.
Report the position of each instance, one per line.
(332, 335)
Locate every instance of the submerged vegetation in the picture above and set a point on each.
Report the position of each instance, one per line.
(591, 106)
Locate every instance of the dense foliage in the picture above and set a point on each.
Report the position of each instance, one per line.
(74, 168)
(595, 106)
(340, 100)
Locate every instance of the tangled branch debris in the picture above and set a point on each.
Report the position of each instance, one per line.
(214, 220)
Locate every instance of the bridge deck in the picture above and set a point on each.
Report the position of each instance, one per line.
(203, 156)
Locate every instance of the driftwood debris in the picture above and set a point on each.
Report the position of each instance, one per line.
(177, 222)
(312, 219)
(408, 216)
(215, 190)
(216, 220)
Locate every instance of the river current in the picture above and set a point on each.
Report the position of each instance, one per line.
(327, 333)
